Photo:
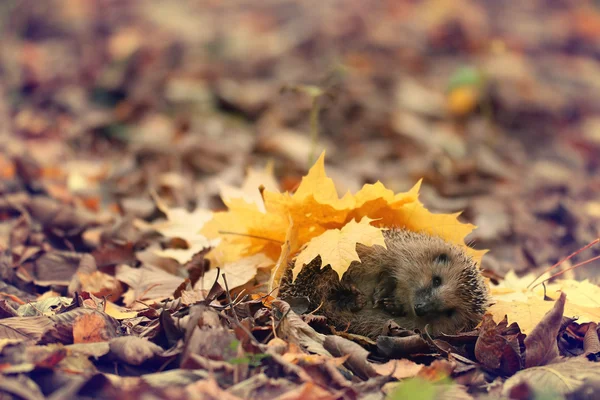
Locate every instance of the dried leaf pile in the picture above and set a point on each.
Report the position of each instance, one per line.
(141, 241)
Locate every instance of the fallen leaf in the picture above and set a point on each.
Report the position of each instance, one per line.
(497, 351)
(357, 355)
(540, 345)
(527, 307)
(337, 247)
(133, 350)
(146, 282)
(118, 312)
(250, 190)
(24, 328)
(399, 369)
(184, 225)
(93, 327)
(100, 284)
(208, 388)
(293, 330)
(307, 391)
(557, 379)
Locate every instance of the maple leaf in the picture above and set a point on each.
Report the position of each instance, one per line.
(250, 190)
(337, 247)
(315, 209)
(185, 225)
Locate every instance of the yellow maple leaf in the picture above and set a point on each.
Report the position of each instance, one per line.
(527, 307)
(245, 230)
(337, 247)
(250, 191)
(315, 209)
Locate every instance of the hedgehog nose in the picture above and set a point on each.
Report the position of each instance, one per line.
(422, 309)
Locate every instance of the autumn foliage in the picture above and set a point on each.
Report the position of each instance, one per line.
(315, 220)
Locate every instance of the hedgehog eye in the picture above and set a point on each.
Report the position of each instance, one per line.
(442, 258)
(436, 281)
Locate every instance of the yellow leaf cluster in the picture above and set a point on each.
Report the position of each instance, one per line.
(316, 211)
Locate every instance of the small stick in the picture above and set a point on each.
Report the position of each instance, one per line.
(568, 269)
(236, 319)
(563, 260)
(250, 236)
(273, 332)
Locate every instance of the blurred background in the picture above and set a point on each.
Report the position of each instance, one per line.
(495, 104)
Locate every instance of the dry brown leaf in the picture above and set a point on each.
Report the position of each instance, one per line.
(91, 328)
(133, 350)
(558, 378)
(146, 282)
(540, 345)
(100, 284)
(307, 390)
(399, 369)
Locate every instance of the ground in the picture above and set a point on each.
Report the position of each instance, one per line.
(113, 114)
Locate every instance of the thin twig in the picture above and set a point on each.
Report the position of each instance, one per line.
(250, 236)
(568, 269)
(277, 327)
(236, 319)
(563, 260)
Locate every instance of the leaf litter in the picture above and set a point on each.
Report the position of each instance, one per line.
(136, 259)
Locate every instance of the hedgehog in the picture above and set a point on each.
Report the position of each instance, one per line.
(419, 281)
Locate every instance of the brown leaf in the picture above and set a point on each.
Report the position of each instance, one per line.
(133, 350)
(308, 391)
(56, 268)
(114, 254)
(21, 387)
(197, 266)
(24, 328)
(498, 352)
(437, 370)
(209, 389)
(147, 283)
(101, 285)
(591, 341)
(55, 215)
(293, 330)
(93, 327)
(399, 347)
(541, 345)
(556, 378)
(399, 369)
(357, 355)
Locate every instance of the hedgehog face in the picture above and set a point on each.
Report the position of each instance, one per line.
(428, 282)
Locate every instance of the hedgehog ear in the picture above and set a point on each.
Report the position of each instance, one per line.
(442, 258)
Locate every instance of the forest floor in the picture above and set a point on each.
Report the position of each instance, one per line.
(117, 115)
